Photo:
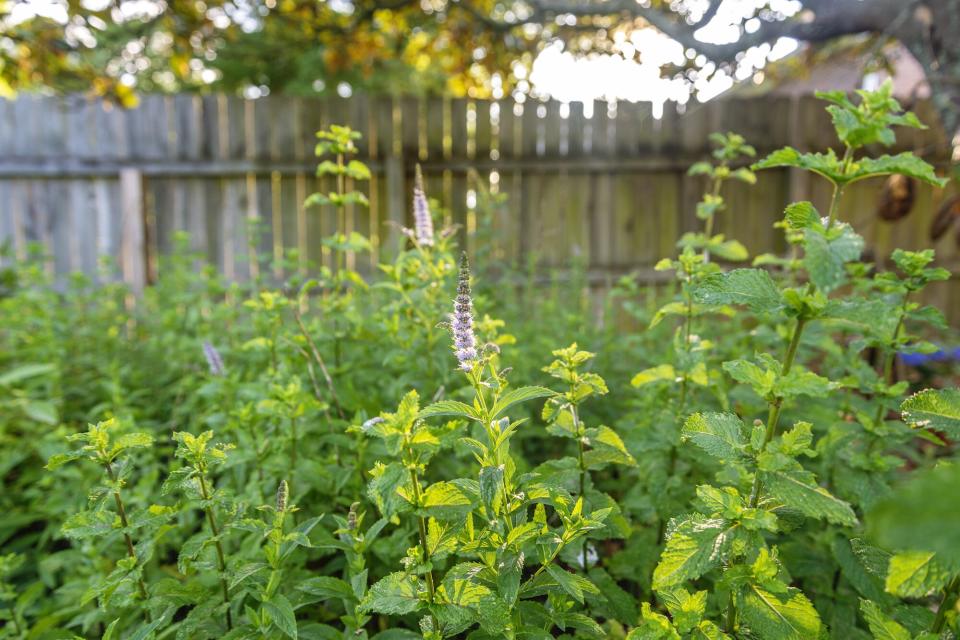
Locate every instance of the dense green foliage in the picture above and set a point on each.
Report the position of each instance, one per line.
(343, 458)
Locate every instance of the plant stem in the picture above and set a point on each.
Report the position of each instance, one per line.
(221, 562)
(731, 620)
(890, 356)
(708, 223)
(773, 417)
(949, 600)
(13, 619)
(583, 474)
(422, 528)
(126, 536)
(316, 356)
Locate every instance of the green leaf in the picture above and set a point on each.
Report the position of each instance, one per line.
(826, 254)
(573, 584)
(658, 373)
(722, 435)
(607, 446)
(921, 515)
(25, 371)
(904, 163)
(327, 587)
(396, 594)
(787, 616)
(915, 574)
(751, 287)
(802, 215)
(282, 614)
(515, 396)
(61, 459)
(826, 164)
(796, 491)
(937, 409)
(882, 627)
(669, 309)
(444, 500)
(449, 408)
(42, 411)
(694, 546)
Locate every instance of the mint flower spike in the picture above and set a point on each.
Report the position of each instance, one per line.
(422, 220)
(283, 492)
(213, 359)
(461, 320)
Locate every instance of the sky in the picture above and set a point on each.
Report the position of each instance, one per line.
(632, 73)
(570, 78)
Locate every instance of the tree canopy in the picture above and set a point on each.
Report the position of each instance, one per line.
(458, 47)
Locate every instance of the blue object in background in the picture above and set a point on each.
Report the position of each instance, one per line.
(920, 359)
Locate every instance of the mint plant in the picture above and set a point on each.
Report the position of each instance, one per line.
(764, 477)
(447, 483)
(194, 479)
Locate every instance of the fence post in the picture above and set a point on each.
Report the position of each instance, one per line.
(133, 246)
(396, 205)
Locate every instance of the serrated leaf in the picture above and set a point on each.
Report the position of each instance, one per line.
(904, 163)
(327, 587)
(396, 594)
(449, 408)
(788, 616)
(825, 256)
(515, 396)
(914, 574)
(802, 215)
(751, 287)
(937, 409)
(796, 492)
(576, 586)
(444, 500)
(694, 546)
(722, 435)
(882, 627)
(282, 614)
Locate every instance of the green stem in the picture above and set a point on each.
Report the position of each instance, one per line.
(731, 620)
(948, 602)
(13, 619)
(583, 474)
(890, 356)
(837, 189)
(708, 223)
(422, 528)
(141, 587)
(221, 562)
(773, 416)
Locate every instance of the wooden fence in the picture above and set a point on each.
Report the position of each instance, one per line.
(609, 186)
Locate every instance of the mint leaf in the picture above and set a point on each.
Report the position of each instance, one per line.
(934, 409)
(753, 288)
(797, 491)
(787, 616)
(882, 627)
(396, 594)
(915, 574)
(722, 435)
(694, 546)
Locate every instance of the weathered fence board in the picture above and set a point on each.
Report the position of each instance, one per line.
(604, 184)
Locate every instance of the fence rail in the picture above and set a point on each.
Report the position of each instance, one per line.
(604, 182)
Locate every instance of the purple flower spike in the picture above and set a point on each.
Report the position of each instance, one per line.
(422, 221)
(461, 320)
(213, 359)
